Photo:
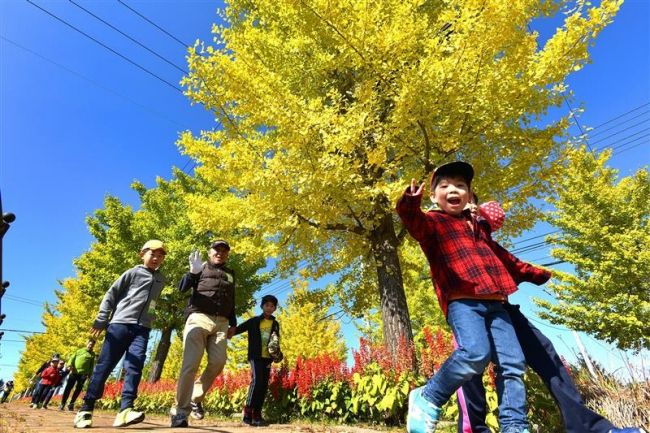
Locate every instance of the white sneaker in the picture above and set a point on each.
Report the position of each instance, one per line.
(128, 417)
(83, 419)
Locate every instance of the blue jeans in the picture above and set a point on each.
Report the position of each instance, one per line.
(544, 360)
(121, 339)
(483, 331)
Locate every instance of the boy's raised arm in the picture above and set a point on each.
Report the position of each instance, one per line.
(409, 210)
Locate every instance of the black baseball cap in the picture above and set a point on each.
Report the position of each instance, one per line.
(220, 243)
(456, 168)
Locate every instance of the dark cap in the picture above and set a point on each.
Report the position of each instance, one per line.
(220, 243)
(456, 168)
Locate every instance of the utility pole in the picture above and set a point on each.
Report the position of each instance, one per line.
(7, 219)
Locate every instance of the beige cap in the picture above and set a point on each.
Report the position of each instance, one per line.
(154, 244)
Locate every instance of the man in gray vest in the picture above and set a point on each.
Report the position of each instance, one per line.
(210, 322)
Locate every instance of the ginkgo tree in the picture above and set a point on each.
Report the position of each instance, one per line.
(308, 328)
(327, 109)
(604, 223)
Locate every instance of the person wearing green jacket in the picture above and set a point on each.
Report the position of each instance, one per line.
(81, 365)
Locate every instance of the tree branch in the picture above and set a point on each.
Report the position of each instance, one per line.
(333, 27)
(331, 227)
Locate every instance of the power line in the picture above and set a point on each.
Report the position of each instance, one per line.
(575, 120)
(620, 132)
(546, 324)
(632, 147)
(113, 51)
(24, 301)
(20, 331)
(183, 44)
(622, 115)
(91, 81)
(130, 38)
(557, 262)
(616, 125)
(173, 86)
(629, 142)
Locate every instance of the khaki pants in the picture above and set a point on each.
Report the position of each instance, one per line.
(202, 333)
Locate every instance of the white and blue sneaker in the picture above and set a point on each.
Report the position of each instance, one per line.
(423, 416)
(627, 430)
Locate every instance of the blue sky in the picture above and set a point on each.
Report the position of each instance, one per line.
(78, 122)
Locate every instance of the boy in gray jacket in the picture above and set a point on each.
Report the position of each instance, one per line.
(131, 301)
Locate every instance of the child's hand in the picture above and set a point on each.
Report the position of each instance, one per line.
(195, 262)
(231, 332)
(414, 188)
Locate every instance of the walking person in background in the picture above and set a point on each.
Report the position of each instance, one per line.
(261, 330)
(63, 372)
(6, 390)
(35, 380)
(210, 322)
(49, 377)
(81, 366)
(131, 302)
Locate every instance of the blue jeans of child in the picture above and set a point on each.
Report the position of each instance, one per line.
(544, 360)
(483, 331)
(125, 340)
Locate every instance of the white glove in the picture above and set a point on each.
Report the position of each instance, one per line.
(195, 263)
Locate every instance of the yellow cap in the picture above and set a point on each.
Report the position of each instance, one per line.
(154, 244)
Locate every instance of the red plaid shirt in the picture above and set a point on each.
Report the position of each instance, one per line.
(464, 264)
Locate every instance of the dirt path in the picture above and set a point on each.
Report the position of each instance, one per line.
(17, 417)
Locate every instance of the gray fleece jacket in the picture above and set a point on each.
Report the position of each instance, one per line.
(132, 298)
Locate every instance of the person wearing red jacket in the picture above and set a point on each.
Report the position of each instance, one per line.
(49, 378)
(473, 277)
(541, 357)
(54, 389)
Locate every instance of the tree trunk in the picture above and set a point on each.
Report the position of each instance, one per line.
(394, 310)
(161, 355)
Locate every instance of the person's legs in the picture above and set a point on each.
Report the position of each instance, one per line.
(42, 394)
(72, 380)
(472, 408)
(467, 321)
(53, 390)
(116, 343)
(216, 346)
(260, 371)
(544, 360)
(36, 395)
(248, 408)
(133, 364)
(511, 366)
(194, 339)
(80, 384)
(263, 367)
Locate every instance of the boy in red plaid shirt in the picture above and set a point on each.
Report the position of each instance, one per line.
(473, 277)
